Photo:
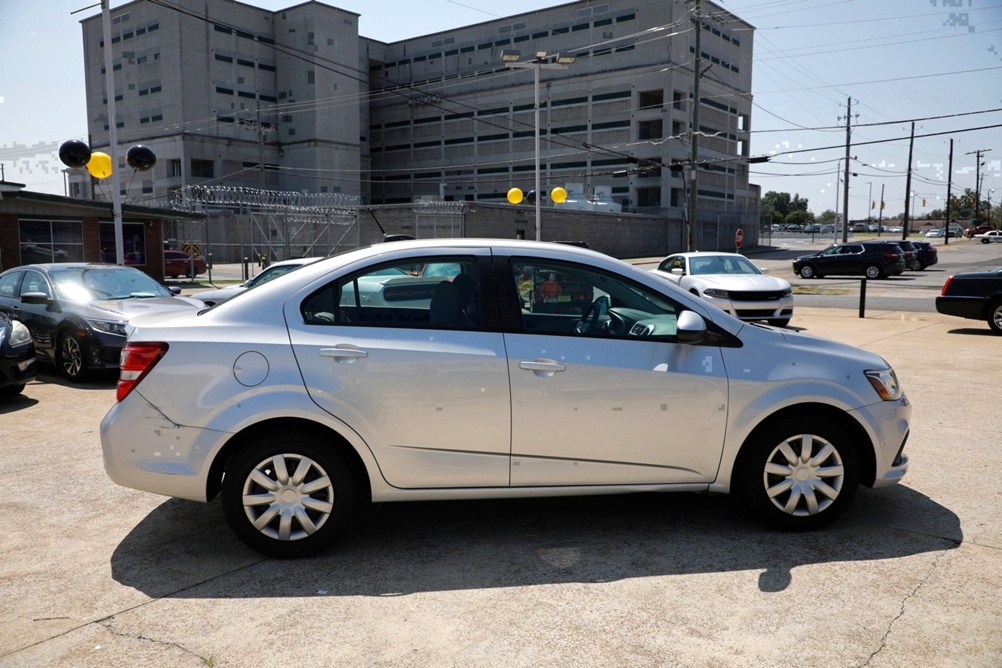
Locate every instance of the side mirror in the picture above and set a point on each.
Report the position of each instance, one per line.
(764, 270)
(676, 271)
(41, 298)
(691, 328)
(174, 290)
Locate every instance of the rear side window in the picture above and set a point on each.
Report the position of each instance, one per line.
(441, 293)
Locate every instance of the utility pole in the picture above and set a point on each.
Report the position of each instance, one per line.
(697, 65)
(908, 185)
(977, 184)
(949, 182)
(880, 211)
(845, 192)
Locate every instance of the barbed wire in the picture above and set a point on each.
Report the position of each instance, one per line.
(189, 197)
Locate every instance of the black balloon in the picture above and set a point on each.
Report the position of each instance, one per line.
(141, 158)
(74, 153)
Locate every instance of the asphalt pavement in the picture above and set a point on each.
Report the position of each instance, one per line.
(98, 575)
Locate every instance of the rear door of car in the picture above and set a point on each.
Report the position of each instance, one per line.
(596, 407)
(424, 382)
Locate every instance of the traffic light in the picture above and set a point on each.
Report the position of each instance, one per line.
(873, 205)
(923, 201)
(881, 204)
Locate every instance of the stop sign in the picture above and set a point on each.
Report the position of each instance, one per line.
(739, 237)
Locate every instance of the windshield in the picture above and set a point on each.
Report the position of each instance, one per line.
(721, 264)
(85, 284)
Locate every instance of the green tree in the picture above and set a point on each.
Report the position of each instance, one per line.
(798, 203)
(827, 217)
(774, 202)
(799, 217)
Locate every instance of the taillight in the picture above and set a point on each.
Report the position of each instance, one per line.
(946, 286)
(137, 361)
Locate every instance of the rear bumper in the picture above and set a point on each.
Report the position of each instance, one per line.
(961, 307)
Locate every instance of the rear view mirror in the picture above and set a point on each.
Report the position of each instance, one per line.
(691, 328)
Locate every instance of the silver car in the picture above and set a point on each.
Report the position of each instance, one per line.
(271, 272)
(300, 404)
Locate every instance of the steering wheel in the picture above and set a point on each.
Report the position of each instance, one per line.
(591, 320)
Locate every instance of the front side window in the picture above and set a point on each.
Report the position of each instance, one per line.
(434, 293)
(577, 300)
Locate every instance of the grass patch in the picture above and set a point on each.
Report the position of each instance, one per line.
(819, 290)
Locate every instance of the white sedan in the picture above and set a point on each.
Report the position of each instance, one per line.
(299, 407)
(271, 272)
(990, 237)
(731, 282)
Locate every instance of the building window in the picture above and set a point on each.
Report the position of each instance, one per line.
(652, 129)
(651, 99)
(133, 242)
(50, 241)
(649, 196)
(173, 169)
(202, 168)
(678, 100)
(311, 77)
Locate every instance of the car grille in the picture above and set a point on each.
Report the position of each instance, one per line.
(755, 313)
(762, 296)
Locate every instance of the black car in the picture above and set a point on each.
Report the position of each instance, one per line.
(17, 357)
(873, 260)
(77, 313)
(912, 260)
(976, 295)
(927, 254)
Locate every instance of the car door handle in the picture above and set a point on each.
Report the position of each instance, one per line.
(344, 353)
(542, 367)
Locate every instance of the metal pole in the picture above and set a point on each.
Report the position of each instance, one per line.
(535, 79)
(109, 79)
(694, 130)
(845, 191)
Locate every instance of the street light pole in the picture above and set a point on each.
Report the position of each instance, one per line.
(511, 57)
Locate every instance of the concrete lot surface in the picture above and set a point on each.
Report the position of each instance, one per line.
(97, 575)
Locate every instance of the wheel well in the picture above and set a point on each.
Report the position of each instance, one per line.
(286, 426)
(820, 412)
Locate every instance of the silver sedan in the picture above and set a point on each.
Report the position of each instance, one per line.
(300, 403)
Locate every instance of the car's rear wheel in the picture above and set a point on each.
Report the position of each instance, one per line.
(807, 271)
(798, 474)
(11, 390)
(288, 495)
(873, 271)
(71, 359)
(995, 316)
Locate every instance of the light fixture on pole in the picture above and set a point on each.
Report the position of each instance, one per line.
(512, 59)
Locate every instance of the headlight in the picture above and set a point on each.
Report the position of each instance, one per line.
(885, 382)
(716, 292)
(787, 292)
(110, 326)
(19, 336)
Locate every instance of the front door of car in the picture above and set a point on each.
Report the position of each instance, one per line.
(596, 401)
(410, 364)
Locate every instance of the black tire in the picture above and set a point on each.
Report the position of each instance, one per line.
(779, 322)
(986, 241)
(11, 390)
(994, 316)
(317, 506)
(71, 358)
(778, 486)
(873, 271)
(807, 271)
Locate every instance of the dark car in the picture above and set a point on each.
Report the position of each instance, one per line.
(927, 254)
(179, 263)
(908, 247)
(976, 295)
(77, 313)
(17, 356)
(873, 260)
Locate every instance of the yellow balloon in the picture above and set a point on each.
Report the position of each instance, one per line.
(514, 196)
(99, 165)
(558, 195)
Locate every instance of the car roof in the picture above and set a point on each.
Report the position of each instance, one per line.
(57, 266)
(706, 254)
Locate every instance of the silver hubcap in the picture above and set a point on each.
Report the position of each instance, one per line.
(72, 356)
(803, 475)
(288, 506)
(997, 317)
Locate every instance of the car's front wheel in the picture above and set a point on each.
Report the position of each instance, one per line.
(995, 316)
(873, 271)
(807, 271)
(71, 359)
(798, 474)
(779, 322)
(288, 494)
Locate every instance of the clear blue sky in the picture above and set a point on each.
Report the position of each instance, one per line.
(933, 61)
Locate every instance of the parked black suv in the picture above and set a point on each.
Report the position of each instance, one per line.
(927, 253)
(912, 260)
(873, 260)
